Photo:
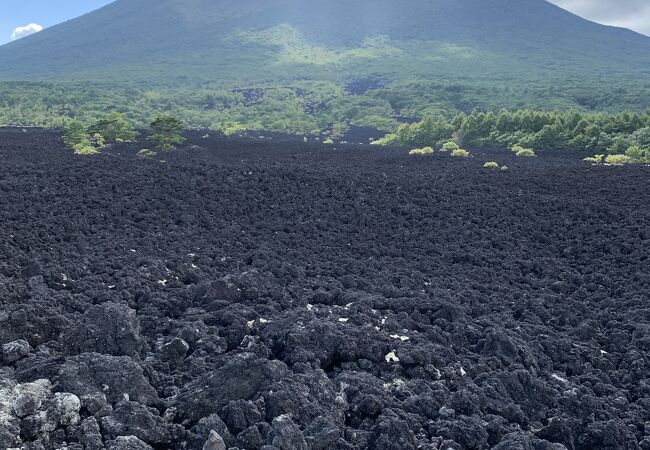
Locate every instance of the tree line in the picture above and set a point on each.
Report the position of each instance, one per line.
(626, 134)
(165, 132)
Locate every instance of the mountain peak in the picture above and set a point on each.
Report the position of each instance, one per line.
(527, 44)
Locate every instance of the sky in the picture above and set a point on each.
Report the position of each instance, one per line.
(20, 13)
(19, 18)
(633, 14)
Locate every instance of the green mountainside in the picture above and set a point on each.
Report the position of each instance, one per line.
(303, 66)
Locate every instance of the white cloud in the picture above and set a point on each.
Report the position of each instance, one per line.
(633, 14)
(21, 32)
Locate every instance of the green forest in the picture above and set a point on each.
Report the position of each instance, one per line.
(310, 108)
(625, 134)
(325, 109)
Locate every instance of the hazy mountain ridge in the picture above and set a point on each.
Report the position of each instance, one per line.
(141, 32)
(298, 57)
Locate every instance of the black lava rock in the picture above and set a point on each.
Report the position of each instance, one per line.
(115, 376)
(134, 419)
(248, 295)
(108, 328)
(241, 378)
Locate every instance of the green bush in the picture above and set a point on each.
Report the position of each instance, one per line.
(526, 152)
(146, 153)
(635, 152)
(76, 137)
(638, 154)
(619, 145)
(504, 168)
(617, 160)
(328, 141)
(450, 146)
(596, 159)
(460, 153)
(235, 128)
(76, 134)
(389, 139)
(491, 165)
(166, 132)
(84, 149)
(522, 151)
(98, 140)
(114, 128)
(421, 151)
(427, 132)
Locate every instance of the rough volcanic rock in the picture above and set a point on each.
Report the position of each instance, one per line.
(115, 376)
(174, 351)
(88, 434)
(214, 442)
(524, 441)
(204, 428)
(68, 406)
(242, 377)
(253, 295)
(108, 328)
(134, 419)
(20, 406)
(26, 404)
(128, 443)
(13, 351)
(286, 435)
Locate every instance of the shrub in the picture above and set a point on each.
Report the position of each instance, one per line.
(637, 154)
(165, 132)
(491, 165)
(76, 137)
(504, 168)
(617, 160)
(450, 146)
(146, 153)
(98, 140)
(114, 128)
(421, 151)
(526, 152)
(389, 139)
(84, 149)
(328, 142)
(460, 153)
(76, 134)
(522, 151)
(596, 159)
(235, 128)
(429, 131)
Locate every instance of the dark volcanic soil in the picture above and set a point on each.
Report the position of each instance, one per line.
(286, 296)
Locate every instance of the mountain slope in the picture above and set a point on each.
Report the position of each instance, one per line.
(356, 61)
(138, 33)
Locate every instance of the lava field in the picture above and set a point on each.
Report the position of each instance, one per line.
(262, 295)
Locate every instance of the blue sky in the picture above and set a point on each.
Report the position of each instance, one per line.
(634, 14)
(17, 13)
